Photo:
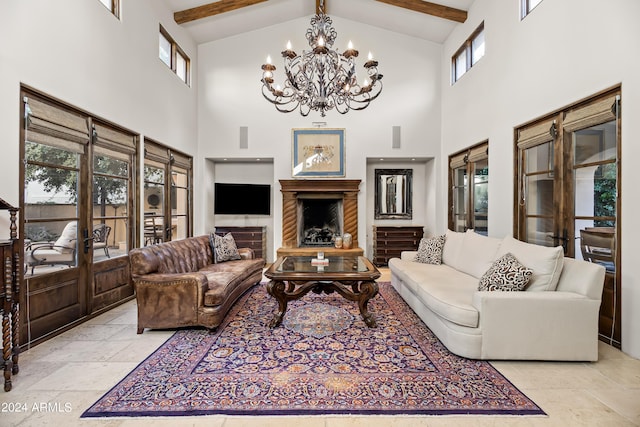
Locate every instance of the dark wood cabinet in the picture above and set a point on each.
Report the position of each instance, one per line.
(248, 237)
(389, 242)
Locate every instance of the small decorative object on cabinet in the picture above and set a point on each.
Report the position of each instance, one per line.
(9, 295)
(248, 237)
(389, 242)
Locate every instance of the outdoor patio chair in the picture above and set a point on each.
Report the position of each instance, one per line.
(100, 238)
(60, 252)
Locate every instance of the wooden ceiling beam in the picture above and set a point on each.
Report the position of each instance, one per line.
(445, 12)
(211, 9)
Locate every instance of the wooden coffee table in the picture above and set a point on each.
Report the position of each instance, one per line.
(292, 277)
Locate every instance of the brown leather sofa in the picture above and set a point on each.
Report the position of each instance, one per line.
(177, 284)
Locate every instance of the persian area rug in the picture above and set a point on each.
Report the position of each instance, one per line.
(323, 359)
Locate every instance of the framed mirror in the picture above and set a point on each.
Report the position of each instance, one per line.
(393, 193)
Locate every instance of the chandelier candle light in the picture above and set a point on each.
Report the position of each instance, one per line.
(321, 79)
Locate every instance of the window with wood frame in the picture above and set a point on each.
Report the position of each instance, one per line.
(468, 54)
(469, 189)
(113, 6)
(174, 57)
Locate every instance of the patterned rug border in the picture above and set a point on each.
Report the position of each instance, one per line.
(385, 289)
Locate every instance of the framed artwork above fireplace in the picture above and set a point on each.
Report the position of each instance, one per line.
(318, 153)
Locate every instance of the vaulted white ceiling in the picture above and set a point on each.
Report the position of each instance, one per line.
(272, 12)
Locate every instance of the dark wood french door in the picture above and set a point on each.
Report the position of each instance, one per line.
(77, 204)
(569, 191)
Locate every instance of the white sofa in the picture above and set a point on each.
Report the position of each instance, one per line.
(554, 318)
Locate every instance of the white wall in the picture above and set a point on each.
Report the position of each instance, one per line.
(81, 54)
(230, 97)
(562, 52)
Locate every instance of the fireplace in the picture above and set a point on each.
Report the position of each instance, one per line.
(320, 221)
(314, 212)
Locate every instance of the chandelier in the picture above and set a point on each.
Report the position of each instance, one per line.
(322, 78)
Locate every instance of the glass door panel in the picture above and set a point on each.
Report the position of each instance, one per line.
(538, 194)
(460, 200)
(595, 182)
(50, 208)
(480, 196)
(179, 203)
(110, 201)
(154, 185)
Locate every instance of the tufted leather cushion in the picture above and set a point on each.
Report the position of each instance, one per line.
(227, 275)
(177, 256)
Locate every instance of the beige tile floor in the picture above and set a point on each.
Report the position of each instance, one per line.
(62, 377)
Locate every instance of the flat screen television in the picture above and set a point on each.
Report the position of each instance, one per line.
(242, 199)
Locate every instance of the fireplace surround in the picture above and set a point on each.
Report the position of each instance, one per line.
(336, 198)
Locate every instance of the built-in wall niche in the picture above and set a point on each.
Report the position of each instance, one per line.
(424, 196)
(258, 172)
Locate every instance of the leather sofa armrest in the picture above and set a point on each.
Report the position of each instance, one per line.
(169, 300)
(195, 284)
(246, 253)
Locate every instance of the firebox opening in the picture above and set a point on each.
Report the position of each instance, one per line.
(320, 221)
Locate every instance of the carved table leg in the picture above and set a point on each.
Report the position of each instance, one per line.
(276, 289)
(368, 290)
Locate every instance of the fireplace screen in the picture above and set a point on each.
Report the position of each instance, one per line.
(320, 221)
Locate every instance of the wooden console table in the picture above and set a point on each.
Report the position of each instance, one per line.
(389, 242)
(10, 296)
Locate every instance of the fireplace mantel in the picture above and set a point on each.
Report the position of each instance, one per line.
(346, 189)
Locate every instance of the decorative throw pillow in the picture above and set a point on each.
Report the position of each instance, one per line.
(505, 274)
(225, 248)
(430, 250)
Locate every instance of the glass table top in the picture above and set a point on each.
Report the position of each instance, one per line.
(336, 264)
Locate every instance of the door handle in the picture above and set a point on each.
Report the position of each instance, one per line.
(88, 241)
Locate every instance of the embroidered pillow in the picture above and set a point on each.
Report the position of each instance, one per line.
(430, 250)
(225, 248)
(505, 274)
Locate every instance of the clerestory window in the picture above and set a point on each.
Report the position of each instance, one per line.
(526, 6)
(113, 6)
(174, 57)
(468, 54)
